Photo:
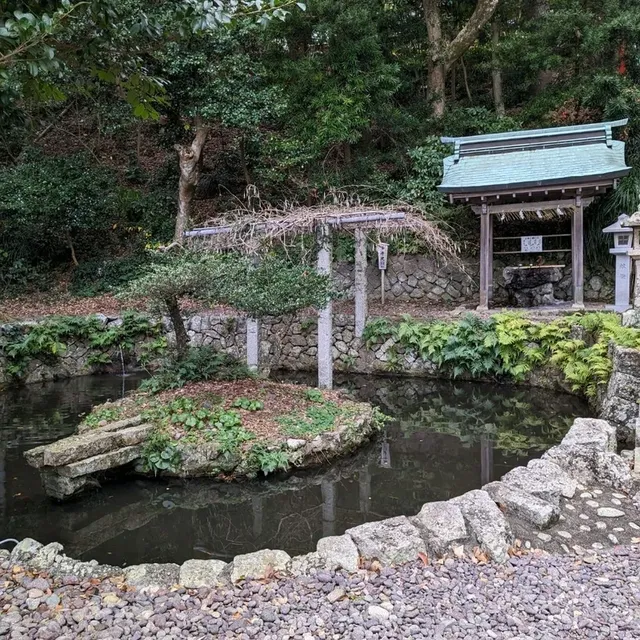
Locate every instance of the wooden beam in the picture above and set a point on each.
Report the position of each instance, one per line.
(514, 207)
(484, 259)
(490, 260)
(360, 282)
(577, 254)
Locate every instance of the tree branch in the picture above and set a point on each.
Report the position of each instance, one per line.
(466, 36)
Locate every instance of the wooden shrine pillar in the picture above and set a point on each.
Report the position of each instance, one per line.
(577, 253)
(325, 316)
(360, 283)
(486, 257)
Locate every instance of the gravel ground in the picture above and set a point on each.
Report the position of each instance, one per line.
(534, 596)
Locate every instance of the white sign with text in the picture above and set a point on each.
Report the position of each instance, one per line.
(530, 244)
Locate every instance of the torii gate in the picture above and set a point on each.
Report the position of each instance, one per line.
(324, 226)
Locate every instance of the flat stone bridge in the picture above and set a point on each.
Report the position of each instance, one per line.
(74, 463)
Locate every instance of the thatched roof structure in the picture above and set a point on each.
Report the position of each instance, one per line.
(248, 230)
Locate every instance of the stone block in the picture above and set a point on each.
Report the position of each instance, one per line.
(101, 462)
(523, 505)
(626, 360)
(537, 483)
(152, 575)
(593, 433)
(339, 552)
(625, 386)
(258, 565)
(201, 573)
(549, 469)
(441, 525)
(392, 541)
(61, 488)
(487, 523)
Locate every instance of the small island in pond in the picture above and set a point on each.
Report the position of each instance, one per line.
(227, 430)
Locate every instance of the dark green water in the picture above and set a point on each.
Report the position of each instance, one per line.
(447, 438)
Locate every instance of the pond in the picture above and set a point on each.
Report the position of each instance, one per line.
(446, 438)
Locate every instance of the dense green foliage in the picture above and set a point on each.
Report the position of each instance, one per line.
(509, 345)
(330, 100)
(274, 287)
(47, 341)
(200, 364)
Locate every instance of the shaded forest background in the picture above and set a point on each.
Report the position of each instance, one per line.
(335, 100)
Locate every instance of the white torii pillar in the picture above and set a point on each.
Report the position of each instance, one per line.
(360, 283)
(325, 316)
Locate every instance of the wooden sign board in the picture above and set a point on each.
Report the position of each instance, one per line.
(383, 249)
(530, 244)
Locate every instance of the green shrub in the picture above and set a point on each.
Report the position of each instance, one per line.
(200, 364)
(95, 277)
(268, 460)
(160, 454)
(509, 345)
(247, 404)
(47, 341)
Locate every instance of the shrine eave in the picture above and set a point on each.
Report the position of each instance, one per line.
(581, 158)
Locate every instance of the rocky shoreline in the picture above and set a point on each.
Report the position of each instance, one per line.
(478, 524)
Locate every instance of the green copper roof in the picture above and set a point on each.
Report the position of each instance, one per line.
(535, 158)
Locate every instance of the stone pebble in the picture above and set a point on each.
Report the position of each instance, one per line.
(532, 596)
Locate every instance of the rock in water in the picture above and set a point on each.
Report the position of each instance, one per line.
(441, 525)
(201, 573)
(391, 541)
(260, 564)
(487, 523)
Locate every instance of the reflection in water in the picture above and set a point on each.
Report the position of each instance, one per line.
(446, 438)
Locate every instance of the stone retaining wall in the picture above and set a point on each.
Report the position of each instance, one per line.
(412, 278)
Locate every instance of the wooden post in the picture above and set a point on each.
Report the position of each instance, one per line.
(490, 260)
(484, 257)
(577, 254)
(325, 316)
(360, 282)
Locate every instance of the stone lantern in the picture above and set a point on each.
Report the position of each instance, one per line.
(633, 223)
(622, 237)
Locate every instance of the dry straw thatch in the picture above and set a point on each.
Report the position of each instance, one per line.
(247, 231)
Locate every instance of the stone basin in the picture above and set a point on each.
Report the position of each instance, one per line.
(532, 286)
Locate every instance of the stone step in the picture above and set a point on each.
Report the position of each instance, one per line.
(87, 445)
(112, 426)
(101, 462)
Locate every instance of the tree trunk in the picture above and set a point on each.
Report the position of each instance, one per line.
(496, 70)
(545, 76)
(189, 159)
(436, 70)
(182, 339)
(443, 54)
(437, 80)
